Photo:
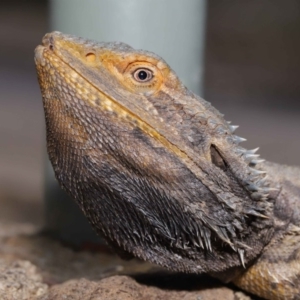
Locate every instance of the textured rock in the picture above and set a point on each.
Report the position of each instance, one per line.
(126, 288)
(35, 267)
(57, 263)
(19, 280)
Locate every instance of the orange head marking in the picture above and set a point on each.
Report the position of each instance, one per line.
(140, 74)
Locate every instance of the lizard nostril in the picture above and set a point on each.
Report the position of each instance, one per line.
(51, 43)
(48, 41)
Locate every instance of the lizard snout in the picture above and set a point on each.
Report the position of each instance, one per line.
(49, 40)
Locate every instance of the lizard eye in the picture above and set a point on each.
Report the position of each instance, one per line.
(142, 75)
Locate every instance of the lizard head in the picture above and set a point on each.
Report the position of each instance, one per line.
(155, 168)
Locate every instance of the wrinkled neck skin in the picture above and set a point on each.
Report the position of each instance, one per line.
(286, 216)
(276, 272)
(287, 204)
(156, 169)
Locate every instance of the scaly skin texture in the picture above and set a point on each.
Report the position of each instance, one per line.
(159, 172)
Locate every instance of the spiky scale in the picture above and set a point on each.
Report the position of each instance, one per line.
(241, 256)
(238, 139)
(257, 172)
(233, 128)
(257, 161)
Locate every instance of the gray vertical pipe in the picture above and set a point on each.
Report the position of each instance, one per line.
(174, 29)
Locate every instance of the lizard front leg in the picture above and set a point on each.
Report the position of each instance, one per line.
(276, 274)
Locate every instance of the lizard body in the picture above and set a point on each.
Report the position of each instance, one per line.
(159, 172)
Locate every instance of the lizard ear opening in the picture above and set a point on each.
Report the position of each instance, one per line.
(216, 158)
(90, 57)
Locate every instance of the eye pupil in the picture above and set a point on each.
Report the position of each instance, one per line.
(142, 75)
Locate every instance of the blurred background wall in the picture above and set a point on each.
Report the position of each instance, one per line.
(252, 71)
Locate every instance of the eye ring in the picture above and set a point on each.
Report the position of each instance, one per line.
(142, 75)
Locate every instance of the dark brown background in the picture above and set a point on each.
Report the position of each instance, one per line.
(252, 75)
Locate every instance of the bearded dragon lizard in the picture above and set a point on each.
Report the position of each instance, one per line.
(159, 172)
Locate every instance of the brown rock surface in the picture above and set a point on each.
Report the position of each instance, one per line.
(36, 267)
(126, 288)
(19, 280)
